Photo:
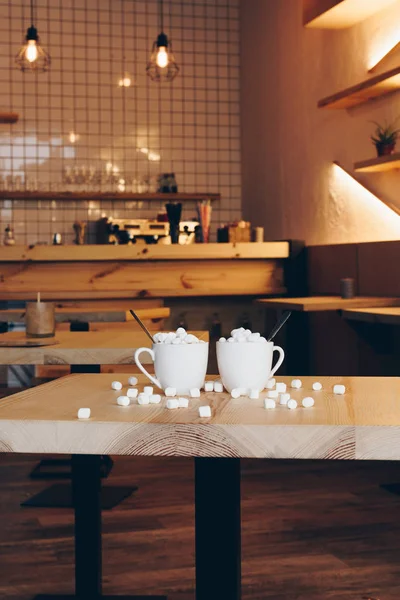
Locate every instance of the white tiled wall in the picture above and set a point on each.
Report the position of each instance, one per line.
(127, 136)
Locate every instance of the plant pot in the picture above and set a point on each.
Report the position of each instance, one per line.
(384, 149)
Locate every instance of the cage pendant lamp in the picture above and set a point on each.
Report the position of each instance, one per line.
(32, 57)
(162, 66)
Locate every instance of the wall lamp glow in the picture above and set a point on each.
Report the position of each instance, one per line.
(383, 207)
(390, 45)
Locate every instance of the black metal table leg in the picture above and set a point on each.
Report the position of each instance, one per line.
(86, 493)
(217, 518)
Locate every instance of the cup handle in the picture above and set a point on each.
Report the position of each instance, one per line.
(141, 367)
(280, 359)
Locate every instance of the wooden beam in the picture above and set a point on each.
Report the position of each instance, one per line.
(378, 164)
(159, 197)
(340, 14)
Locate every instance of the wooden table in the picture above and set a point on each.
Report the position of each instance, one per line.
(320, 303)
(388, 315)
(108, 347)
(364, 424)
(90, 315)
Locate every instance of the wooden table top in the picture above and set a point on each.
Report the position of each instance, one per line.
(388, 314)
(93, 315)
(319, 303)
(363, 424)
(108, 347)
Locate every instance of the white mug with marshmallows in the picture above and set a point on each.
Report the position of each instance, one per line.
(246, 364)
(179, 366)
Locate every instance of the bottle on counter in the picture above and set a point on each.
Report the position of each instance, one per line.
(9, 239)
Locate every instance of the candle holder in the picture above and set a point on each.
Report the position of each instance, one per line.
(40, 319)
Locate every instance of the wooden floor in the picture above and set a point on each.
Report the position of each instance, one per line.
(311, 531)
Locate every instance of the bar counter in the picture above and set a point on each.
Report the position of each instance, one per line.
(142, 271)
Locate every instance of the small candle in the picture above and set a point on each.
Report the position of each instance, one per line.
(40, 319)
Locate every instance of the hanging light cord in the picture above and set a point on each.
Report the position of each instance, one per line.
(32, 13)
(161, 5)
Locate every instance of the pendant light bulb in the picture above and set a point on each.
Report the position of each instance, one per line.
(31, 56)
(162, 57)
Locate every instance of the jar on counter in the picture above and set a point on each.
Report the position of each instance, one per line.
(9, 239)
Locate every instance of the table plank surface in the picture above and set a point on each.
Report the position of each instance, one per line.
(66, 315)
(362, 424)
(320, 303)
(108, 347)
(388, 315)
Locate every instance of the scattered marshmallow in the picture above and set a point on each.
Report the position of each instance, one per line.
(272, 394)
(143, 399)
(170, 391)
(84, 413)
(132, 380)
(148, 390)
(132, 392)
(235, 393)
(195, 393)
(116, 385)
(254, 394)
(284, 398)
(183, 402)
(291, 404)
(271, 383)
(339, 389)
(123, 401)
(172, 403)
(269, 403)
(296, 384)
(155, 399)
(317, 386)
(281, 387)
(218, 387)
(222, 340)
(308, 402)
(209, 386)
(180, 336)
(204, 411)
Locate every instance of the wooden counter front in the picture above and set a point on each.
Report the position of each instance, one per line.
(139, 271)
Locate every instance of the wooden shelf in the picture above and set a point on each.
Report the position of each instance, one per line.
(339, 14)
(8, 117)
(381, 163)
(382, 84)
(180, 196)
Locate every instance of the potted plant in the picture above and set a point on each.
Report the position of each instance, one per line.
(384, 138)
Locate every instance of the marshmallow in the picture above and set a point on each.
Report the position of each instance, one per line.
(339, 389)
(183, 402)
(155, 399)
(148, 390)
(235, 393)
(172, 403)
(170, 337)
(116, 385)
(308, 402)
(218, 387)
(176, 341)
(271, 383)
(143, 399)
(281, 387)
(231, 339)
(191, 339)
(262, 339)
(181, 331)
(317, 386)
(195, 393)
(84, 413)
(132, 392)
(269, 403)
(205, 411)
(123, 401)
(254, 394)
(272, 394)
(253, 337)
(284, 398)
(170, 391)
(296, 383)
(222, 339)
(291, 404)
(240, 339)
(209, 386)
(132, 380)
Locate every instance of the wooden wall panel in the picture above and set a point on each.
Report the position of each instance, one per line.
(379, 269)
(327, 265)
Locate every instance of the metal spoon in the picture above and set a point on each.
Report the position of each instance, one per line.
(142, 325)
(279, 324)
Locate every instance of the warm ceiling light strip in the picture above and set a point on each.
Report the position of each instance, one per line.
(386, 203)
(339, 14)
(379, 61)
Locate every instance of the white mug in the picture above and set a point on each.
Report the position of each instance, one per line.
(180, 366)
(247, 364)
